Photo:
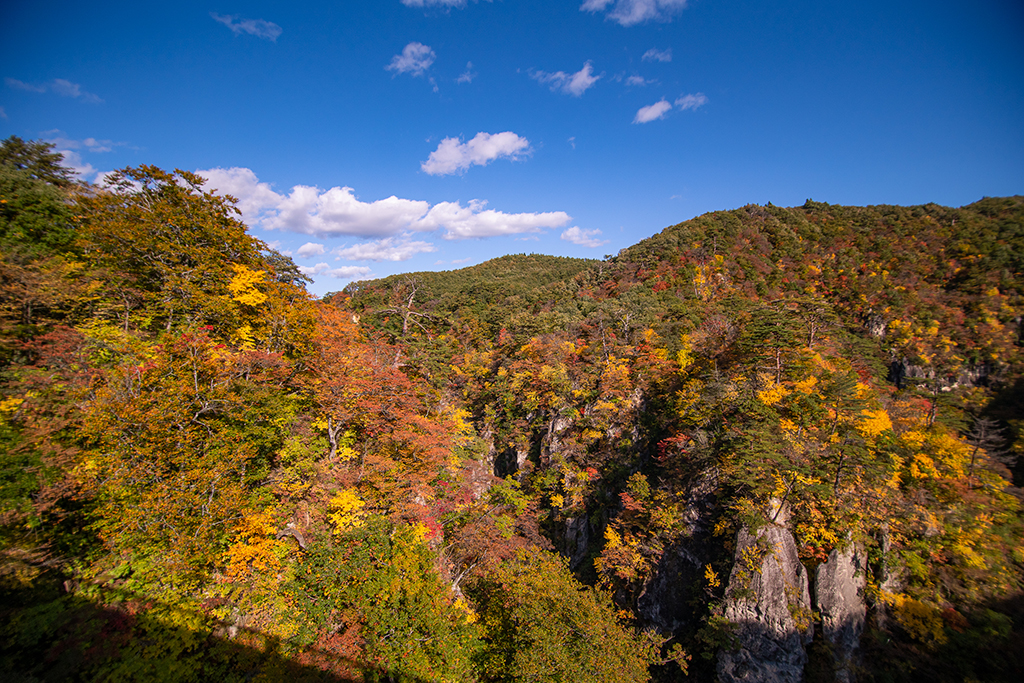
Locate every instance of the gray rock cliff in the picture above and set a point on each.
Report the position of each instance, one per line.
(769, 603)
(839, 597)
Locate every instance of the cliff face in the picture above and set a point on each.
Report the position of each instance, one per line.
(839, 598)
(769, 602)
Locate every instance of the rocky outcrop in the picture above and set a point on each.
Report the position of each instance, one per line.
(551, 443)
(290, 530)
(876, 326)
(839, 597)
(769, 604)
(902, 370)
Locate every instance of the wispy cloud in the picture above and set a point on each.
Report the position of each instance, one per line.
(632, 12)
(57, 139)
(415, 59)
(468, 75)
(57, 86)
(656, 55)
(338, 212)
(68, 89)
(584, 238)
(638, 80)
(455, 156)
(72, 151)
(3, 114)
(572, 84)
(20, 85)
(692, 101)
(343, 273)
(400, 248)
(436, 3)
(254, 27)
(652, 112)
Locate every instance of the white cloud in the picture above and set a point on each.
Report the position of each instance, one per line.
(656, 111)
(103, 176)
(315, 270)
(343, 273)
(310, 249)
(3, 114)
(584, 238)
(256, 200)
(652, 112)
(632, 12)
(474, 221)
(573, 84)
(691, 101)
(468, 75)
(58, 86)
(312, 211)
(453, 156)
(254, 27)
(337, 211)
(655, 55)
(73, 160)
(416, 58)
(400, 248)
(638, 80)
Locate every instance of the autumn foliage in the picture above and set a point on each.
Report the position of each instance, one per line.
(532, 469)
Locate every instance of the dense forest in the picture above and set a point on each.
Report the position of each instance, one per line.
(767, 444)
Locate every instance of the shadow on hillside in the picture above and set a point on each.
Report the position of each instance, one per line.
(129, 637)
(984, 645)
(1008, 407)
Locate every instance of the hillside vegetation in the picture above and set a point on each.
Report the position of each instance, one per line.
(531, 469)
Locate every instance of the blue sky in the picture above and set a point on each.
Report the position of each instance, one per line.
(369, 137)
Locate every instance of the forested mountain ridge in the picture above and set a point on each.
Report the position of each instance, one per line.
(913, 261)
(780, 351)
(764, 444)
